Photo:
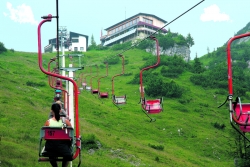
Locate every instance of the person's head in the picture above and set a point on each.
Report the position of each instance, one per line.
(56, 109)
(59, 102)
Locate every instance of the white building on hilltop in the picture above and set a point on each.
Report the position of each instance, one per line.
(74, 42)
(137, 26)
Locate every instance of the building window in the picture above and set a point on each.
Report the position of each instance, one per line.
(81, 48)
(127, 25)
(124, 26)
(148, 21)
(134, 21)
(75, 40)
(116, 30)
(75, 48)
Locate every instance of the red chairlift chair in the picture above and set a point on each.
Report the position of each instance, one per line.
(103, 94)
(94, 91)
(58, 133)
(88, 88)
(151, 106)
(239, 112)
(118, 100)
(58, 87)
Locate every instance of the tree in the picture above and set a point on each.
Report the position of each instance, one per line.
(189, 40)
(93, 43)
(197, 66)
(2, 48)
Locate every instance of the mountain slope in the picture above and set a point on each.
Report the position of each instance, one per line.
(183, 134)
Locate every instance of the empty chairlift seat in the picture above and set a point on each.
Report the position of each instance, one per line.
(153, 106)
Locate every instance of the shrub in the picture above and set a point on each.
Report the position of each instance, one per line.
(2, 48)
(219, 125)
(35, 84)
(159, 147)
(89, 142)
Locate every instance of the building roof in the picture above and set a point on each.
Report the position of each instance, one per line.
(74, 34)
(71, 34)
(164, 21)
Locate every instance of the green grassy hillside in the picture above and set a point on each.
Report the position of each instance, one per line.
(183, 134)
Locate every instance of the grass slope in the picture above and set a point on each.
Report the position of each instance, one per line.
(126, 136)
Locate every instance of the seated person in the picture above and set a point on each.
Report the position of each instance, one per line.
(58, 147)
(62, 111)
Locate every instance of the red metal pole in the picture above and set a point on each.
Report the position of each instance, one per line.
(103, 76)
(146, 68)
(113, 90)
(229, 61)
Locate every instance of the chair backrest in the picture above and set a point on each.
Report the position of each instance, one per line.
(242, 111)
(56, 133)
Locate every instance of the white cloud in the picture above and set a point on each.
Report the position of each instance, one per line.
(213, 13)
(22, 14)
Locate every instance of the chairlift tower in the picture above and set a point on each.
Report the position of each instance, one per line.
(62, 32)
(69, 85)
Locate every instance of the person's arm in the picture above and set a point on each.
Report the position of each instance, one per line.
(67, 122)
(46, 123)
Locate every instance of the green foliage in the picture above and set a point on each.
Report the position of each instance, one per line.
(219, 125)
(155, 87)
(165, 41)
(173, 66)
(189, 40)
(216, 78)
(89, 142)
(122, 46)
(197, 66)
(93, 43)
(157, 147)
(112, 60)
(35, 84)
(2, 48)
(146, 44)
(180, 40)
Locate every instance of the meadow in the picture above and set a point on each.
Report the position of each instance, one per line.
(184, 134)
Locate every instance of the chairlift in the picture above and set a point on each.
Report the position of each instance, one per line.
(88, 88)
(58, 133)
(118, 100)
(103, 94)
(58, 87)
(239, 112)
(151, 106)
(94, 91)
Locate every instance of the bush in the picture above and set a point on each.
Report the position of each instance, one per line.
(2, 48)
(159, 147)
(35, 84)
(219, 125)
(89, 142)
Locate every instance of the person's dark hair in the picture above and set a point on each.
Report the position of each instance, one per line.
(56, 108)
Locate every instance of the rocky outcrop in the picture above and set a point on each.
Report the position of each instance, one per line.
(182, 51)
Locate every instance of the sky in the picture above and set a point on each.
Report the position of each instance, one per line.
(211, 23)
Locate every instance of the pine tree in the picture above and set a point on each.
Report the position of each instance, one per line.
(190, 40)
(93, 43)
